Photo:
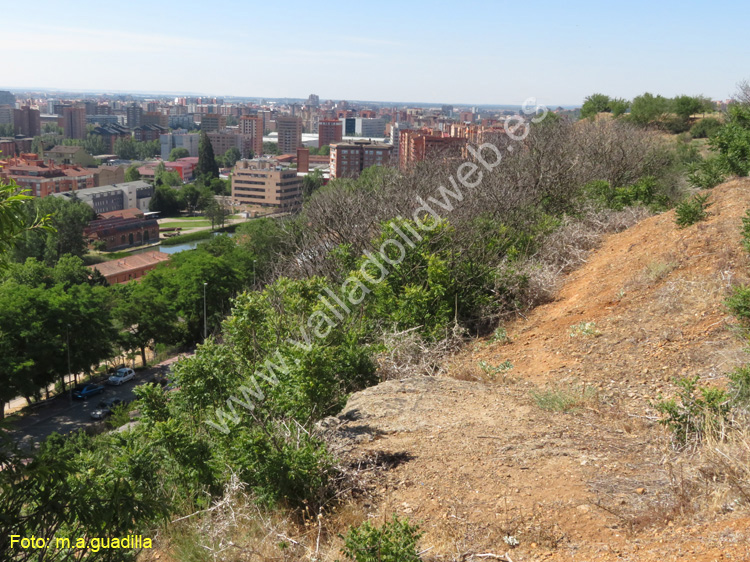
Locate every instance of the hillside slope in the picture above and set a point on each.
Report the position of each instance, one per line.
(476, 460)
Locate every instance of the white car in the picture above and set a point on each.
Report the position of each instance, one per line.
(122, 375)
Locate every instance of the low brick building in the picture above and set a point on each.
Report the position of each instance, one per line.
(131, 267)
(122, 229)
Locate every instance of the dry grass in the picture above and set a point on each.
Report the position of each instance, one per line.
(569, 246)
(407, 354)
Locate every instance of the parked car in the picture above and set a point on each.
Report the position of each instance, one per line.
(105, 408)
(84, 391)
(123, 374)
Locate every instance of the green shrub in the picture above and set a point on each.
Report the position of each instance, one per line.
(692, 210)
(695, 412)
(738, 304)
(746, 231)
(732, 141)
(395, 541)
(494, 370)
(707, 173)
(739, 386)
(705, 128)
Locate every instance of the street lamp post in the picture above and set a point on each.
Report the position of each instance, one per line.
(67, 345)
(205, 321)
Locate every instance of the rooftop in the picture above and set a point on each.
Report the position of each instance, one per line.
(130, 263)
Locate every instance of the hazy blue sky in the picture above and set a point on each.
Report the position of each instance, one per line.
(450, 52)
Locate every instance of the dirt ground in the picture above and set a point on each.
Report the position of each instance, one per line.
(473, 457)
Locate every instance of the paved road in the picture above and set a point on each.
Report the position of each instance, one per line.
(63, 416)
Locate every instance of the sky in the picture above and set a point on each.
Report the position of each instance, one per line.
(469, 52)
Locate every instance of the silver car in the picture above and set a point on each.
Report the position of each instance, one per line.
(123, 374)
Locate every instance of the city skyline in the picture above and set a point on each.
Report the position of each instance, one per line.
(497, 54)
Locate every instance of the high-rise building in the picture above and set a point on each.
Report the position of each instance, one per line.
(134, 115)
(348, 159)
(27, 122)
(179, 140)
(263, 183)
(155, 118)
(6, 98)
(253, 125)
(6, 115)
(290, 134)
(418, 145)
(74, 122)
(314, 100)
(213, 122)
(329, 131)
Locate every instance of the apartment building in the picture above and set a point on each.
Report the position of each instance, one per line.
(188, 141)
(262, 182)
(27, 122)
(418, 145)
(223, 141)
(74, 122)
(253, 125)
(329, 132)
(348, 159)
(213, 122)
(128, 195)
(290, 134)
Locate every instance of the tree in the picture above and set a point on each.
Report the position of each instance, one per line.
(189, 197)
(312, 182)
(732, 141)
(132, 173)
(324, 150)
(207, 168)
(685, 106)
(594, 104)
(231, 157)
(178, 153)
(648, 109)
(125, 149)
(68, 217)
(144, 316)
(165, 201)
(271, 148)
(16, 218)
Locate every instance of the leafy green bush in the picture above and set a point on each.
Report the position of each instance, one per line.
(395, 541)
(746, 231)
(696, 412)
(732, 141)
(707, 173)
(705, 128)
(692, 210)
(645, 192)
(739, 386)
(738, 304)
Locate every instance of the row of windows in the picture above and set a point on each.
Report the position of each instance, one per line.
(254, 189)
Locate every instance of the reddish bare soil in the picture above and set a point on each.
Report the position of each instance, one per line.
(476, 460)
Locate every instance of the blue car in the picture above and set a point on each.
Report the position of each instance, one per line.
(81, 392)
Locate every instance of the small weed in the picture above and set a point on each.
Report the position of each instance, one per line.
(493, 370)
(692, 210)
(566, 398)
(500, 335)
(587, 329)
(656, 270)
(620, 295)
(739, 387)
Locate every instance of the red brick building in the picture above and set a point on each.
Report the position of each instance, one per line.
(418, 145)
(329, 132)
(131, 267)
(121, 229)
(348, 159)
(44, 178)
